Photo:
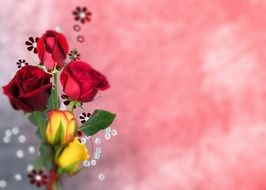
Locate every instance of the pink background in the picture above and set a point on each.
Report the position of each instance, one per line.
(188, 85)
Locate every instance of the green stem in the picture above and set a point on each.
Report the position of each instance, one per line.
(55, 82)
(72, 106)
(58, 185)
(55, 100)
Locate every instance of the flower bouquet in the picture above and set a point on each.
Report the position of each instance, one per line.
(35, 90)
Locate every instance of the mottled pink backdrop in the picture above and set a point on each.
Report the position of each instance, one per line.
(187, 82)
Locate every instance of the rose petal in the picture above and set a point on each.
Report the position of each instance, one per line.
(30, 85)
(102, 83)
(59, 56)
(38, 98)
(70, 86)
(88, 79)
(17, 104)
(69, 115)
(40, 48)
(48, 61)
(50, 42)
(71, 129)
(62, 42)
(12, 91)
(88, 96)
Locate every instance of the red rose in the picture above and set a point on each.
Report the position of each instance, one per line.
(52, 50)
(81, 82)
(29, 89)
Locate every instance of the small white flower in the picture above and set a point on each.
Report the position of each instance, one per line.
(31, 149)
(2, 183)
(93, 162)
(20, 154)
(18, 177)
(86, 163)
(21, 138)
(97, 141)
(101, 177)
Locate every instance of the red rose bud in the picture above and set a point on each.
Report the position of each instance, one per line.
(52, 50)
(81, 82)
(29, 89)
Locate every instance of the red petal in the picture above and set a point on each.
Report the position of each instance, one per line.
(62, 43)
(40, 48)
(9, 90)
(37, 99)
(70, 85)
(50, 43)
(59, 56)
(48, 61)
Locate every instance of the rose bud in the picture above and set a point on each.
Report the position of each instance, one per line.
(29, 90)
(81, 82)
(72, 156)
(62, 127)
(52, 50)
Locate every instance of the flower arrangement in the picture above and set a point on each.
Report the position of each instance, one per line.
(35, 90)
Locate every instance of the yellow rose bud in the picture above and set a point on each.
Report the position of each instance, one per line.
(72, 156)
(61, 127)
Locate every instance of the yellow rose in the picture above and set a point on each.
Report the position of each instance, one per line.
(72, 156)
(61, 128)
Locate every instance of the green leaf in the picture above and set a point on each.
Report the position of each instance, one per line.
(41, 132)
(59, 134)
(53, 101)
(38, 164)
(36, 118)
(58, 150)
(46, 155)
(39, 119)
(33, 119)
(71, 169)
(58, 185)
(99, 120)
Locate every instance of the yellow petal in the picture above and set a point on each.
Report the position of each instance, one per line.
(50, 133)
(58, 117)
(69, 115)
(71, 130)
(75, 152)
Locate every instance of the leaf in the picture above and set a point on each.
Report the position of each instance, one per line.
(58, 185)
(39, 119)
(46, 155)
(41, 132)
(38, 164)
(53, 101)
(58, 151)
(71, 169)
(32, 118)
(99, 120)
(59, 134)
(36, 118)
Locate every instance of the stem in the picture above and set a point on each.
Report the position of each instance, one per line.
(55, 83)
(52, 180)
(72, 106)
(55, 101)
(58, 185)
